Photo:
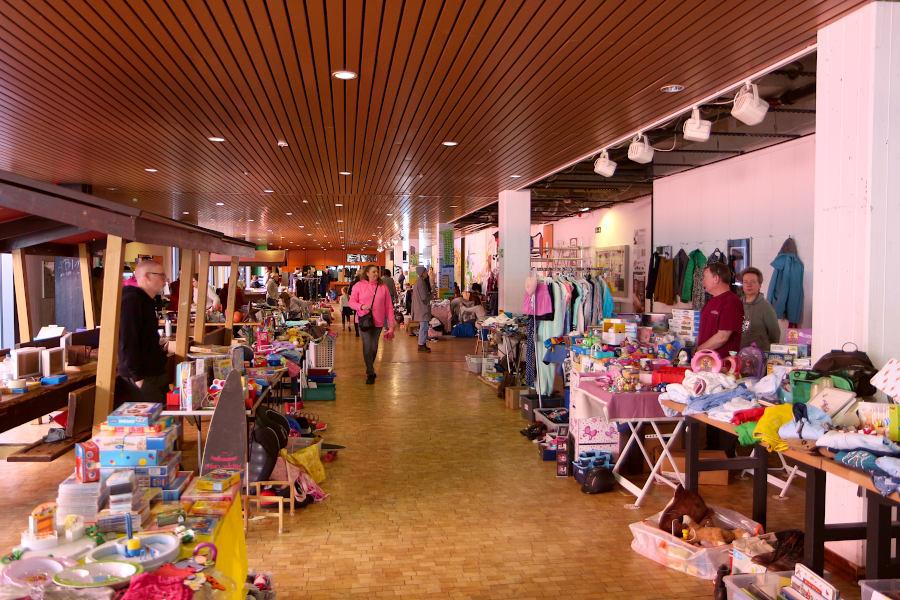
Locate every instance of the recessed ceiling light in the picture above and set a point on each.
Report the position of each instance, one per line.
(301, 226)
(282, 144)
(585, 209)
(112, 189)
(134, 199)
(289, 213)
(449, 144)
(306, 202)
(250, 220)
(514, 176)
(220, 204)
(246, 172)
(672, 88)
(453, 206)
(344, 173)
(340, 220)
(150, 170)
(216, 139)
(268, 191)
(339, 205)
(185, 212)
(389, 214)
(309, 234)
(345, 75)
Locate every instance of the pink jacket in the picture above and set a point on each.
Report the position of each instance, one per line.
(382, 309)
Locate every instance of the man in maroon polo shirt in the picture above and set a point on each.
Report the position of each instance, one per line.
(722, 318)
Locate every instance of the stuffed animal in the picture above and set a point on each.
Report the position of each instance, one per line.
(684, 503)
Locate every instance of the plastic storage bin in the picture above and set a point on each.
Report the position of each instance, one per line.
(473, 363)
(329, 378)
(870, 586)
(489, 364)
(666, 549)
(540, 417)
(322, 391)
(770, 582)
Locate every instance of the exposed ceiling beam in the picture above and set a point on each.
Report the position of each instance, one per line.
(25, 225)
(40, 237)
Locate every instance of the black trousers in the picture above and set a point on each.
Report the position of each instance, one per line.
(370, 348)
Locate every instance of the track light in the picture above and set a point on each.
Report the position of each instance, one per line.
(697, 129)
(749, 108)
(603, 166)
(640, 150)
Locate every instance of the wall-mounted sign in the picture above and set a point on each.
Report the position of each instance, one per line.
(361, 258)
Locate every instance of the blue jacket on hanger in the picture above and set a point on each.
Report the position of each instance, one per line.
(786, 289)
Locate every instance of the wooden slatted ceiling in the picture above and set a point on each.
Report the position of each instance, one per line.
(95, 92)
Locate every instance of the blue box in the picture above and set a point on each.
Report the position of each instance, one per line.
(546, 453)
(132, 458)
(174, 489)
(135, 414)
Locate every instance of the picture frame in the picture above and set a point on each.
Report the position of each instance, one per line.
(738, 252)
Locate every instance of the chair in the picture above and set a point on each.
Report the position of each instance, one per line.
(261, 501)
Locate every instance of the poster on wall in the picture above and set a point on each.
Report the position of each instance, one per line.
(664, 251)
(68, 300)
(615, 269)
(738, 256)
(446, 251)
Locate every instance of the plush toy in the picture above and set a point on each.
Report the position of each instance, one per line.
(684, 503)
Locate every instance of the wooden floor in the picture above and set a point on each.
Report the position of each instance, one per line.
(438, 496)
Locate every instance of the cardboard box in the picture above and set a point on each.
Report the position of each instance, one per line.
(706, 477)
(132, 458)
(512, 395)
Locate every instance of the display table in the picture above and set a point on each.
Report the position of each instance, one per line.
(18, 409)
(231, 546)
(636, 410)
(878, 530)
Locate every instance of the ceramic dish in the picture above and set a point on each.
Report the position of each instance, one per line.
(34, 570)
(99, 574)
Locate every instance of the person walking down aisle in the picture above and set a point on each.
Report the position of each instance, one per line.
(142, 360)
(346, 311)
(360, 274)
(369, 297)
(389, 282)
(421, 306)
(760, 323)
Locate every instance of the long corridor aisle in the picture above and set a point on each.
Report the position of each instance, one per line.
(439, 496)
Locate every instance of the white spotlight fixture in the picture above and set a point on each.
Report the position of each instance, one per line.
(449, 144)
(672, 88)
(697, 129)
(268, 191)
(344, 173)
(640, 150)
(749, 108)
(380, 249)
(282, 144)
(514, 176)
(216, 139)
(344, 75)
(220, 204)
(604, 166)
(150, 170)
(585, 209)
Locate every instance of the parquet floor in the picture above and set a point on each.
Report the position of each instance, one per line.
(438, 496)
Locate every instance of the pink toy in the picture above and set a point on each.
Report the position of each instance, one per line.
(706, 360)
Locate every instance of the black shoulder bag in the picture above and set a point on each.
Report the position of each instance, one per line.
(367, 321)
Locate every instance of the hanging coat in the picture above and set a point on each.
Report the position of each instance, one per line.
(786, 287)
(696, 262)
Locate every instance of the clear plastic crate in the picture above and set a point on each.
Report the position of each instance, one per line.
(770, 583)
(870, 586)
(673, 552)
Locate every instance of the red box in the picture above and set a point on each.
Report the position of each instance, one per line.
(173, 400)
(87, 462)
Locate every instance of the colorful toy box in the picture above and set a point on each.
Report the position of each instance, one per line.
(218, 480)
(132, 458)
(135, 414)
(87, 462)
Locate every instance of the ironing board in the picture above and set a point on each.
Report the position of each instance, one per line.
(635, 410)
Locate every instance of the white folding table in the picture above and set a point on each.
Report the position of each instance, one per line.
(636, 411)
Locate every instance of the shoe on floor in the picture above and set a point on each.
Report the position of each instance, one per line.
(370, 379)
(424, 348)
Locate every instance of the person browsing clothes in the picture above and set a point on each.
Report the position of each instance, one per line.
(760, 323)
(142, 360)
(722, 318)
(370, 297)
(421, 306)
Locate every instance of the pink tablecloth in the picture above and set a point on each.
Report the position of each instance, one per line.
(626, 406)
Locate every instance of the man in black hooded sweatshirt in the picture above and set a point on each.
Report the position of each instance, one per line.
(142, 360)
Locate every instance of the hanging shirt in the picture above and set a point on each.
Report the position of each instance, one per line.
(724, 312)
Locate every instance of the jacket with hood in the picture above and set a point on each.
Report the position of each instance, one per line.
(786, 289)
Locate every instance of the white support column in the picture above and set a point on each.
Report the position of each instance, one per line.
(514, 208)
(857, 214)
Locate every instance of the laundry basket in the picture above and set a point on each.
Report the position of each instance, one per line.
(322, 353)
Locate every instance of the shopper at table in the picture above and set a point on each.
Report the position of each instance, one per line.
(272, 291)
(142, 360)
(212, 299)
(722, 318)
(369, 296)
(421, 306)
(760, 323)
(255, 283)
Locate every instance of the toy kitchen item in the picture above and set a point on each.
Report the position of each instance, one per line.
(148, 550)
(114, 574)
(706, 360)
(41, 533)
(33, 571)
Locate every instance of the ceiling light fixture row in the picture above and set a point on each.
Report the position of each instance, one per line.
(748, 108)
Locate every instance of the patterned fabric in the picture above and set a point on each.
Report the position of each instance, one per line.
(530, 366)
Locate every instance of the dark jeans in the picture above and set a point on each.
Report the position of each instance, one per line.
(370, 348)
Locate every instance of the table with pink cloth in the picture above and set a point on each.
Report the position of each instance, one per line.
(591, 398)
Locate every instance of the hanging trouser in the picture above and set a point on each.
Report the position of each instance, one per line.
(530, 366)
(547, 330)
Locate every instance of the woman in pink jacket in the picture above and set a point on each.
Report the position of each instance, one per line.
(369, 296)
